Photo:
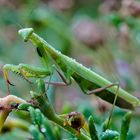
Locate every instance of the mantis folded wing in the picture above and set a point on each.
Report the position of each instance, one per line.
(70, 69)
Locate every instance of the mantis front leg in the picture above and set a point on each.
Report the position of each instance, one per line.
(25, 71)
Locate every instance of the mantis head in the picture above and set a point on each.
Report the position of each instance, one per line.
(25, 33)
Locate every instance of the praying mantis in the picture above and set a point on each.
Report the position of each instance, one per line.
(69, 69)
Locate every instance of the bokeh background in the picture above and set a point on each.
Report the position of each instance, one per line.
(101, 34)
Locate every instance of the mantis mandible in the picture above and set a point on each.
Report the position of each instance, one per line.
(68, 69)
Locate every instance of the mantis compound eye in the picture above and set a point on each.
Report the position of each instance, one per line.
(38, 51)
(76, 120)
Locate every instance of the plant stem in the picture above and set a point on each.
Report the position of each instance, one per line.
(47, 109)
(5, 104)
(125, 125)
(3, 115)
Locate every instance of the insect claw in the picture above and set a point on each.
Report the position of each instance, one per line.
(6, 78)
(10, 83)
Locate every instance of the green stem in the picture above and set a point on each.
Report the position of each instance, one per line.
(12, 123)
(5, 103)
(47, 109)
(3, 115)
(92, 129)
(125, 125)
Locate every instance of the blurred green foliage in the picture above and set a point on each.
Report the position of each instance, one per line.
(103, 35)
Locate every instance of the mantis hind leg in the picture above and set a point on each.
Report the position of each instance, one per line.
(102, 88)
(115, 98)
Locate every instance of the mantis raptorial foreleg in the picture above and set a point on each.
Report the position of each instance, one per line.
(25, 71)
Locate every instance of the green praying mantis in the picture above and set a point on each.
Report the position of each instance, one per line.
(68, 69)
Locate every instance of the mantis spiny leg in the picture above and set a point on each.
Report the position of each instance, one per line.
(25, 71)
